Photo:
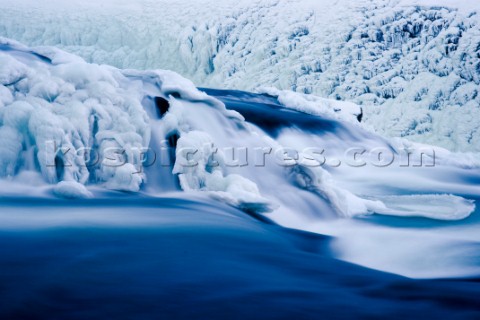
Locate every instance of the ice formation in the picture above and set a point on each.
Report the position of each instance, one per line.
(84, 127)
(79, 124)
(56, 109)
(412, 64)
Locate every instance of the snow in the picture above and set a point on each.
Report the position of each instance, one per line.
(62, 106)
(66, 107)
(462, 5)
(411, 64)
(82, 124)
(11, 70)
(315, 105)
(110, 117)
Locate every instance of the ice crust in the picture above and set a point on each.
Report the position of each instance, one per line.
(83, 126)
(412, 64)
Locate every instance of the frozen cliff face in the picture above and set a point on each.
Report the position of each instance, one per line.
(55, 109)
(413, 64)
(78, 124)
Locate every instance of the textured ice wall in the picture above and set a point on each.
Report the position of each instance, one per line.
(417, 61)
(55, 108)
(81, 124)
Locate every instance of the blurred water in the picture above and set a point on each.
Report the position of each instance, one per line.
(161, 253)
(414, 247)
(177, 258)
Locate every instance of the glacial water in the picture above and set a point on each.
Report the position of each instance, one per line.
(270, 241)
(178, 258)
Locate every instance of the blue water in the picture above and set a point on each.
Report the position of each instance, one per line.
(176, 259)
(133, 257)
(24, 54)
(267, 113)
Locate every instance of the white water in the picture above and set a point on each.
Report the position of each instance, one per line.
(49, 95)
